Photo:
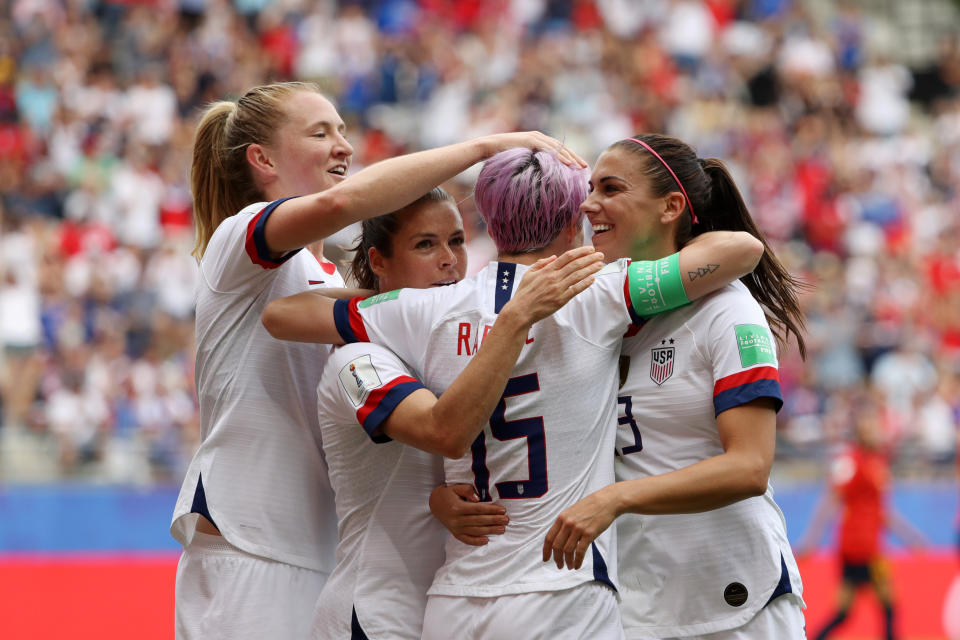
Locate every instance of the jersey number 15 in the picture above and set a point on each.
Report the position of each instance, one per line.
(503, 429)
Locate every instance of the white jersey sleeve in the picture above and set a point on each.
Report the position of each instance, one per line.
(603, 312)
(743, 353)
(400, 319)
(238, 253)
(372, 383)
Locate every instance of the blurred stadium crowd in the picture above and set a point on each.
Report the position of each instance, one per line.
(848, 155)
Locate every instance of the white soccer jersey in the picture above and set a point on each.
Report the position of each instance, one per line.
(390, 545)
(259, 472)
(548, 442)
(693, 574)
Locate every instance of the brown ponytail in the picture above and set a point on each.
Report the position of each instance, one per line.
(770, 283)
(720, 207)
(220, 177)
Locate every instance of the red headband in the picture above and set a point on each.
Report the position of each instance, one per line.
(693, 216)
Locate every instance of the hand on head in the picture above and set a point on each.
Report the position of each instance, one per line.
(536, 141)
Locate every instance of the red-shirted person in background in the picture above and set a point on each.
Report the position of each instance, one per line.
(860, 480)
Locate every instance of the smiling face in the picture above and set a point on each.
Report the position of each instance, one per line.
(627, 220)
(427, 251)
(309, 152)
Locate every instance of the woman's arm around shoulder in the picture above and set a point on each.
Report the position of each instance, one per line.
(714, 259)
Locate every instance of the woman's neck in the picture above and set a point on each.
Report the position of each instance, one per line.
(653, 248)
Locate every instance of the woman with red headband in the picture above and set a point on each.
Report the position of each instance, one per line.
(703, 549)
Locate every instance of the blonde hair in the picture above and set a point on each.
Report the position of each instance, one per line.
(220, 176)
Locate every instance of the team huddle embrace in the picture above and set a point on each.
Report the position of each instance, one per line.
(575, 442)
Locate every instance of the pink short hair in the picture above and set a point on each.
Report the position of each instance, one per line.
(527, 198)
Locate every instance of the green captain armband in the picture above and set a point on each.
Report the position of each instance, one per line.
(656, 286)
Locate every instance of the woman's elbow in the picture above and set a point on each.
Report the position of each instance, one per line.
(757, 478)
(454, 450)
(447, 443)
(750, 249)
(272, 319)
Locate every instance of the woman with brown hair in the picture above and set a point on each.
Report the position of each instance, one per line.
(703, 548)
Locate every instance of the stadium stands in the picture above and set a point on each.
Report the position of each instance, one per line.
(849, 150)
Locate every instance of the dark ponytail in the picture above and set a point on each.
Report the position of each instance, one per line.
(720, 207)
(379, 232)
(770, 283)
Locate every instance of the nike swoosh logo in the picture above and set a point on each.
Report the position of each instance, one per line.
(314, 281)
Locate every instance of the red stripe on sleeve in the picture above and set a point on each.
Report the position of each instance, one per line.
(251, 246)
(356, 321)
(626, 294)
(744, 377)
(377, 395)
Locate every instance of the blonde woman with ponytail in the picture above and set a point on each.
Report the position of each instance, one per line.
(255, 512)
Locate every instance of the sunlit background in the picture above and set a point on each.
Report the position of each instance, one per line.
(839, 120)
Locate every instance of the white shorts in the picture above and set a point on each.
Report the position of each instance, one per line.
(223, 592)
(781, 619)
(589, 610)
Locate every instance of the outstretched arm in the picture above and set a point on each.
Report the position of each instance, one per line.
(748, 434)
(343, 293)
(390, 185)
(908, 533)
(302, 317)
(823, 513)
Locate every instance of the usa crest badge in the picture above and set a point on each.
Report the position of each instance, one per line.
(661, 363)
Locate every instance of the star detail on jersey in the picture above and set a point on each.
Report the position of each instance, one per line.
(503, 291)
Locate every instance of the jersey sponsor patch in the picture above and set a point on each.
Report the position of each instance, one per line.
(358, 378)
(377, 299)
(661, 363)
(755, 345)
